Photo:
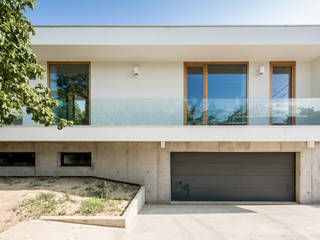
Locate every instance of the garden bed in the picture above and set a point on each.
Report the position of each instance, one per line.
(30, 198)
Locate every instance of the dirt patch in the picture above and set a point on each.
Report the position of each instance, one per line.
(29, 198)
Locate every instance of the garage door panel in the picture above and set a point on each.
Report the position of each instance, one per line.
(233, 169)
(239, 181)
(223, 157)
(221, 177)
(233, 195)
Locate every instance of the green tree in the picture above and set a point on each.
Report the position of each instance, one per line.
(18, 66)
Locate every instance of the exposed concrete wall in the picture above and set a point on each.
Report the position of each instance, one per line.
(148, 164)
(130, 162)
(48, 159)
(315, 174)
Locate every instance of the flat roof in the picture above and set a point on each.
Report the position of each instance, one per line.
(172, 26)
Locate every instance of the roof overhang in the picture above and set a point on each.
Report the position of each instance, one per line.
(202, 43)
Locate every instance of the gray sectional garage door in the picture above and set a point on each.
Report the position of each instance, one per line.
(232, 176)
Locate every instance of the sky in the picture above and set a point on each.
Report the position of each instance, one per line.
(175, 12)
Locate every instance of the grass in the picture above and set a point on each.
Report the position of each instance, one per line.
(33, 197)
(48, 203)
(52, 196)
(43, 204)
(92, 206)
(101, 190)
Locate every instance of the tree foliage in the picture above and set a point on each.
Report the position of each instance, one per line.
(18, 66)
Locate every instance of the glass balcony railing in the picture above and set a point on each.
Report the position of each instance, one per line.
(179, 112)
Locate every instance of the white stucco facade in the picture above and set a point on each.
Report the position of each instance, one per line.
(158, 89)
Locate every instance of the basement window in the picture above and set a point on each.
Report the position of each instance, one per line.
(76, 159)
(17, 159)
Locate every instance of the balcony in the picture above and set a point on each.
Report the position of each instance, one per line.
(180, 112)
(180, 120)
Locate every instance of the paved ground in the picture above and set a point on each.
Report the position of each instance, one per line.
(221, 222)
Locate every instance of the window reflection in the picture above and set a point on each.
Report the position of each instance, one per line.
(69, 84)
(226, 101)
(195, 95)
(281, 94)
(227, 93)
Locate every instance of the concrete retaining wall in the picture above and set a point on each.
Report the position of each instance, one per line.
(124, 221)
(146, 163)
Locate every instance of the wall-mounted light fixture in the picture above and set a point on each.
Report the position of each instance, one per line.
(261, 70)
(135, 71)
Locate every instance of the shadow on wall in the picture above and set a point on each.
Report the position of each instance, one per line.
(192, 209)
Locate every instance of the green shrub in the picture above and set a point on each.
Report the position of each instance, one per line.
(103, 191)
(92, 206)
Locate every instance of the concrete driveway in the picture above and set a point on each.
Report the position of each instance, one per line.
(272, 222)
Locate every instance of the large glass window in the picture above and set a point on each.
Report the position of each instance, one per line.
(69, 84)
(282, 92)
(216, 94)
(227, 94)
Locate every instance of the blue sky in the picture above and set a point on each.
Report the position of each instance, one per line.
(175, 12)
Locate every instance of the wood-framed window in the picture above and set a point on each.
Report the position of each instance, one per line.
(70, 84)
(282, 92)
(216, 93)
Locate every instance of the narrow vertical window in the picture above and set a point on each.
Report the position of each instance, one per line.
(194, 100)
(69, 84)
(282, 76)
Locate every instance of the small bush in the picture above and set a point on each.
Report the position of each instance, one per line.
(103, 191)
(92, 206)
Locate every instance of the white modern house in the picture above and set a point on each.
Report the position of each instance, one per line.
(194, 113)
